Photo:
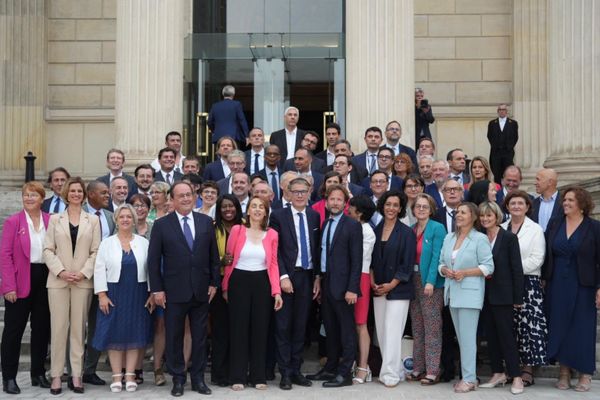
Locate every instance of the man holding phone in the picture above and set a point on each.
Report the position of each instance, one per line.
(423, 117)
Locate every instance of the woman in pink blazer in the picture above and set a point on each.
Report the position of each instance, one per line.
(23, 276)
(248, 285)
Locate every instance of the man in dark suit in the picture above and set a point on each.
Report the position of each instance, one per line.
(547, 205)
(236, 161)
(358, 173)
(288, 139)
(226, 118)
(385, 161)
(56, 179)
(440, 173)
(272, 172)
(458, 166)
(309, 142)
(368, 159)
(333, 133)
(218, 169)
(255, 156)
(341, 263)
(119, 188)
(503, 134)
(167, 172)
(393, 133)
(115, 161)
(298, 260)
(343, 166)
(183, 267)
(144, 178)
(303, 163)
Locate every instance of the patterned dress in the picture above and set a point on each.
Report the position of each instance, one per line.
(530, 324)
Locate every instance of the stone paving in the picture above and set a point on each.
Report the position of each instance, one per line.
(543, 389)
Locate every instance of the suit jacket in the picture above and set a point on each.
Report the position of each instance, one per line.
(278, 139)
(235, 244)
(407, 150)
(15, 249)
(58, 249)
(422, 121)
(226, 118)
(557, 209)
(396, 184)
(131, 184)
(108, 261)
(355, 189)
(433, 238)
(502, 141)
(322, 155)
(474, 251)
(250, 161)
(395, 260)
(344, 260)
(185, 273)
(282, 221)
(317, 165)
(506, 285)
(532, 246)
(158, 177)
(360, 161)
(588, 253)
(433, 191)
(108, 214)
(47, 203)
(223, 185)
(213, 171)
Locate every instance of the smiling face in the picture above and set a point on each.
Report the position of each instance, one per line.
(336, 202)
(385, 160)
(422, 209)
(75, 195)
(119, 190)
(256, 211)
(125, 221)
(227, 210)
(478, 170)
(517, 207)
(464, 218)
(115, 161)
(302, 160)
(488, 220)
(167, 161)
(209, 196)
(391, 208)
(32, 201)
(379, 184)
(141, 209)
(300, 194)
(183, 198)
(571, 205)
(144, 178)
(99, 196)
(412, 189)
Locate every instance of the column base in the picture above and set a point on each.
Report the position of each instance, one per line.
(573, 168)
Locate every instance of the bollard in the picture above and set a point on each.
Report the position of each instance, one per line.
(29, 167)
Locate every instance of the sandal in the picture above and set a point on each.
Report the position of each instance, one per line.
(116, 386)
(139, 376)
(584, 384)
(412, 377)
(464, 387)
(260, 386)
(427, 381)
(237, 387)
(159, 377)
(527, 382)
(564, 379)
(130, 386)
(368, 377)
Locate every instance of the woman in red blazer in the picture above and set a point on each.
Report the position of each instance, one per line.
(23, 276)
(248, 285)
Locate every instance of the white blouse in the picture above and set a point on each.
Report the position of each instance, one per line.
(368, 244)
(36, 239)
(252, 257)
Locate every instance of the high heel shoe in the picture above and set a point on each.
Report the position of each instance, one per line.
(367, 378)
(57, 391)
(584, 384)
(116, 386)
(78, 389)
(130, 386)
(464, 387)
(493, 383)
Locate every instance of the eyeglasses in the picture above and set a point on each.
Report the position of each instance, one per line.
(393, 129)
(31, 195)
(383, 157)
(422, 206)
(379, 181)
(140, 206)
(299, 192)
(450, 190)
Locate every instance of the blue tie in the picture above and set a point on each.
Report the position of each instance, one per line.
(274, 185)
(56, 205)
(187, 232)
(256, 164)
(372, 164)
(303, 246)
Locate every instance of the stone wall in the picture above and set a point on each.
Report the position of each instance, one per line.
(463, 61)
(81, 84)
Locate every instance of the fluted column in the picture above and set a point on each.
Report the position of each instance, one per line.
(149, 84)
(379, 67)
(574, 89)
(530, 82)
(22, 86)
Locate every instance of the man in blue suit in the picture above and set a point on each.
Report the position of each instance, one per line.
(393, 133)
(183, 268)
(368, 159)
(226, 118)
(343, 166)
(219, 169)
(341, 263)
(440, 172)
(298, 260)
(56, 179)
(547, 205)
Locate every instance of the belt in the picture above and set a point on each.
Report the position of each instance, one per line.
(299, 269)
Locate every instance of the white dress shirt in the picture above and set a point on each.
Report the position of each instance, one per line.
(103, 220)
(297, 229)
(244, 204)
(261, 161)
(502, 122)
(36, 239)
(190, 222)
(368, 244)
(290, 142)
(330, 157)
(448, 218)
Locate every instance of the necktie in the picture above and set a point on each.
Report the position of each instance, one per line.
(303, 246)
(256, 169)
(288, 204)
(456, 178)
(453, 215)
(275, 185)
(328, 241)
(187, 232)
(169, 179)
(372, 164)
(99, 221)
(56, 205)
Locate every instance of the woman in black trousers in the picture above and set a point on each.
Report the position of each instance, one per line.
(502, 292)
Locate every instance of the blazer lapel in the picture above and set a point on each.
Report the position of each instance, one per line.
(64, 224)
(174, 220)
(23, 233)
(498, 243)
(291, 225)
(392, 241)
(338, 229)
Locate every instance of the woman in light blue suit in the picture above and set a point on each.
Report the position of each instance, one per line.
(465, 261)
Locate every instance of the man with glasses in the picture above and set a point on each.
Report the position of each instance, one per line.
(358, 172)
(385, 160)
(343, 166)
(309, 143)
(236, 161)
(393, 133)
(379, 183)
(503, 134)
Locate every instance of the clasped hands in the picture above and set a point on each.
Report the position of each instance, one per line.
(71, 277)
(457, 275)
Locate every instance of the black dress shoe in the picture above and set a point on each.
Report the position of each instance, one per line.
(78, 389)
(10, 386)
(301, 380)
(177, 389)
(322, 375)
(286, 383)
(55, 392)
(201, 387)
(93, 379)
(338, 381)
(41, 381)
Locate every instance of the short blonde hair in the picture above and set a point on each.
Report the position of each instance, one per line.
(123, 207)
(491, 207)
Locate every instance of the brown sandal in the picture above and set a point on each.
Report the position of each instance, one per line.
(425, 381)
(414, 378)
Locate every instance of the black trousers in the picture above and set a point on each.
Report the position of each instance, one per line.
(449, 344)
(499, 161)
(291, 323)
(175, 314)
(91, 354)
(219, 313)
(502, 345)
(250, 305)
(15, 320)
(342, 340)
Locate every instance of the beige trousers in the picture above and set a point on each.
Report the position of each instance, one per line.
(68, 317)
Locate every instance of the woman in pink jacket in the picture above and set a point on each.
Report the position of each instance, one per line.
(249, 283)
(23, 276)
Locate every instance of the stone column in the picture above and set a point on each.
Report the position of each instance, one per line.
(530, 83)
(22, 87)
(379, 67)
(149, 84)
(574, 49)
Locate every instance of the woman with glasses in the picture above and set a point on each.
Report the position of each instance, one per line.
(403, 165)
(141, 204)
(412, 186)
(159, 192)
(209, 192)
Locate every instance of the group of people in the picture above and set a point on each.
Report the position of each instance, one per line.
(248, 246)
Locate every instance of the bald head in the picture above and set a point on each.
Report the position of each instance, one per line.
(546, 181)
